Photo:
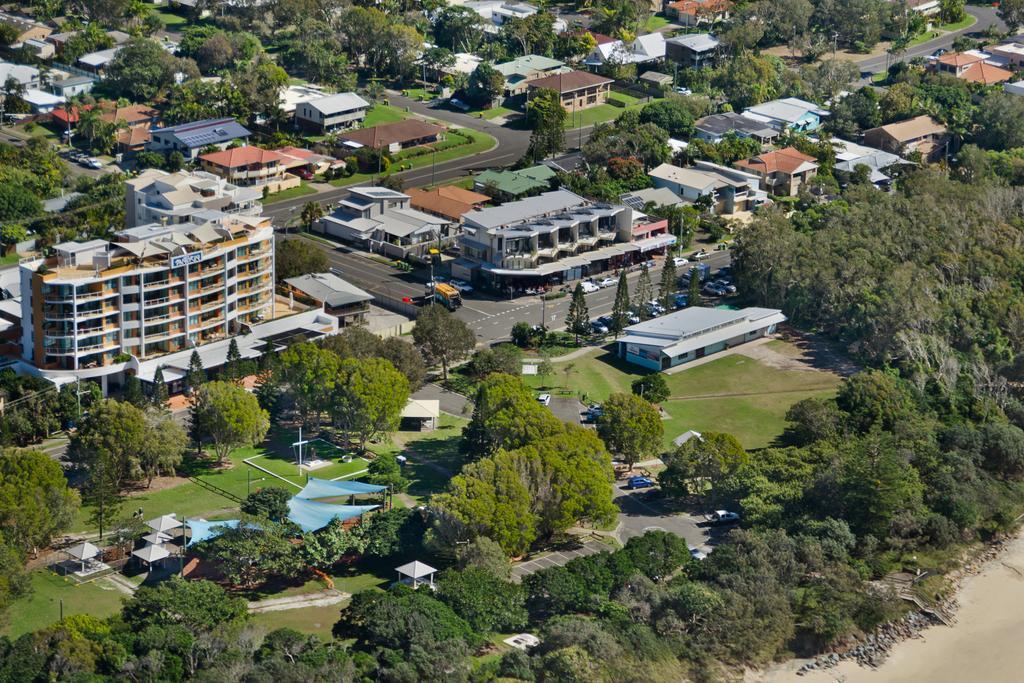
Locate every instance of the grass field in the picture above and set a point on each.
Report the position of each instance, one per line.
(604, 112)
(655, 22)
(172, 21)
(440, 448)
(383, 113)
(421, 94)
(300, 190)
(481, 143)
(495, 112)
(40, 609)
(733, 393)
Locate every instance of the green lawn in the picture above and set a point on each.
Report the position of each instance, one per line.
(604, 112)
(481, 143)
(937, 31)
(42, 608)
(495, 112)
(958, 25)
(316, 621)
(440, 447)
(172, 20)
(655, 22)
(383, 113)
(300, 190)
(734, 393)
(421, 94)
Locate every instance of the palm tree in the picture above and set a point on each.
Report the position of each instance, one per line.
(311, 213)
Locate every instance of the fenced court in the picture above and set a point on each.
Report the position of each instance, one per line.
(279, 459)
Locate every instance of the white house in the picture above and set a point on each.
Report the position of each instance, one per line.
(332, 112)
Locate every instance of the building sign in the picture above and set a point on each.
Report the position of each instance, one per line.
(186, 259)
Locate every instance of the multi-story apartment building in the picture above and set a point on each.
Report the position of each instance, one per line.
(252, 167)
(156, 196)
(554, 238)
(98, 307)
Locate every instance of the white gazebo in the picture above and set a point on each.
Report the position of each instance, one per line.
(686, 436)
(415, 572)
(426, 412)
(83, 552)
(156, 538)
(152, 553)
(164, 523)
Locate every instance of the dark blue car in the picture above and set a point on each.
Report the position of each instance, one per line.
(639, 483)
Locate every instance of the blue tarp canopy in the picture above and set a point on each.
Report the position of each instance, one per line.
(203, 530)
(324, 488)
(309, 515)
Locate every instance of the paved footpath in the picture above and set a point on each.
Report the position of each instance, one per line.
(323, 598)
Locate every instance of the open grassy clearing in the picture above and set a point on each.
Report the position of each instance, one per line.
(604, 112)
(42, 607)
(733, 393)
(300, 190)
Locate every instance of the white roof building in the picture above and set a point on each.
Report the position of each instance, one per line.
(27, 76)
(646, 48)
(694, 333)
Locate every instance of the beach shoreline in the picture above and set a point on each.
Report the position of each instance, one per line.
(982, 644)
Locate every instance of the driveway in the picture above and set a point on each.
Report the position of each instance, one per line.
(566, 409)
(451, 403)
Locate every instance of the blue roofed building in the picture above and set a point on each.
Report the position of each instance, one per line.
(192, 138)
(789, 113)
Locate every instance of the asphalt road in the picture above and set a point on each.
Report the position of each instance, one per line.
(986, 17)
(492, 320)
(512, 144)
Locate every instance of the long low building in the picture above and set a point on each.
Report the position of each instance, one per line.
(694, 333)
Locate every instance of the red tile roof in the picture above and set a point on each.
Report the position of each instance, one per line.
(787, 160)
(986, 74)
(448, 201)
(246, 155)
(132, 114)
(959, 59)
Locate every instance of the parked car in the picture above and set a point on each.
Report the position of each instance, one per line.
(682, 300)
(724, 517)
(700, 255)
(605, 320)
(303, 173)
(458, 104)
(93, 163)
(544, 399)
(697, 554)
(607, 282)
(461, 285)
(683, 91)
(654, 309)
(589, 287)
(632, 318)
(711, 289)
(598, 327)
(639, 483)
(726, 285)
(595, 410)
(679, 261)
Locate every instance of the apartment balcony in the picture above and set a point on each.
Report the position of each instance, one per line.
(207, 306)
(93, 313)
(100, 346)
(208, 289)
(163, 301)
(100, 294)
(171, 315)
(166, 282)
(246, 258)
(165, 334)
(255, 272)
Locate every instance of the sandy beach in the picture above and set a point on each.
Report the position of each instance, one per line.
(983, 645)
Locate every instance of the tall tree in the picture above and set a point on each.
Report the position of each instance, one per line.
(700, 464)
(195, 376)
(578, 319)
(368, 399)
(442, 338)
(630, 427)
(1012, 12)
(163, 445)
(693, 295)
(310, 373)
(620, 308)
(644, 292)
(667, 284)
(232, 371)
(311, 213)
(159, 396)
(296, 257)
(133, 392)
(546, 117)
(230, 416)
(113, 432)
(35, 501)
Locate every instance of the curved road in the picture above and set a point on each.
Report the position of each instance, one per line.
(512, 144)
(986, 17)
